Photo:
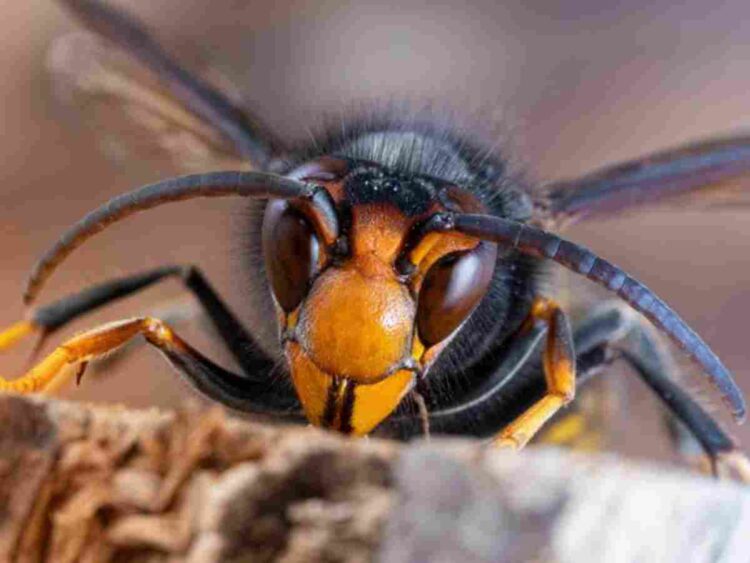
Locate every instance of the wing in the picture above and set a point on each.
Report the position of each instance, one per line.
(713, 173)
(144, 105)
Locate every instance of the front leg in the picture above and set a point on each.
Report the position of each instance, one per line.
(235, 391)
(46, 320)
(559, 366)
(613, 332)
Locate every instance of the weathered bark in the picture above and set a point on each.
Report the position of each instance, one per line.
(82, 483)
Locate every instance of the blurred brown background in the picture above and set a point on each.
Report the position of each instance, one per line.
(579, 84)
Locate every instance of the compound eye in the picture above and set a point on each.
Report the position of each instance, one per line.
(290, 251)
(451, 289)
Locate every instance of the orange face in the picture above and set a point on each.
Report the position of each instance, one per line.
(358, 333)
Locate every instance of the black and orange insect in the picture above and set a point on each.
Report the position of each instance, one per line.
(401, 261)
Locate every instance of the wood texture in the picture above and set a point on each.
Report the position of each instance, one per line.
(83, 483)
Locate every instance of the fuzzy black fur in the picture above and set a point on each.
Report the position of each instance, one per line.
(401, 161)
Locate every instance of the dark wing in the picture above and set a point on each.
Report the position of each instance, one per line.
(713, 173)
(144, 104)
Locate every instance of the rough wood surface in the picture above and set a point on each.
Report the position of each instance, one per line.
(82, 483)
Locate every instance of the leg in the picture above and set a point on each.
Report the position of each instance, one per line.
(46, 320)
(514, 381)
(614, 332)
(509, 387)
(558, 363)
(235, 391)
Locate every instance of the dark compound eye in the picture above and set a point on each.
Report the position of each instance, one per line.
(452, 288)
(290, 251)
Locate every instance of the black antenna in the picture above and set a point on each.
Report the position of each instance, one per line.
(212, 184)
(537, 242)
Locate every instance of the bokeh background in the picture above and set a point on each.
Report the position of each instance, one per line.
(575, 85)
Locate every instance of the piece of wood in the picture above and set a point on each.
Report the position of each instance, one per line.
(85, 483)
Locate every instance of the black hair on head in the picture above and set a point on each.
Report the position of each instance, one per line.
(430, 143)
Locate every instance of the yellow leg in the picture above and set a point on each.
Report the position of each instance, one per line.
(559, 373)
(49, 374)
(16, 332)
